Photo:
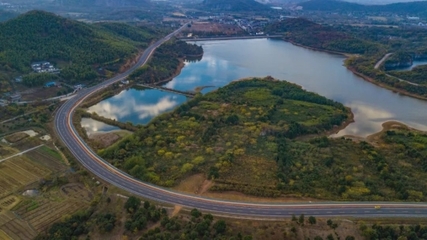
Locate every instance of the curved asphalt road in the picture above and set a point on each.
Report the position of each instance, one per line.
(102, 169)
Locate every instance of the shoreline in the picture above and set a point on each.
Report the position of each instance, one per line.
(382, 85)
(386, 126)
(100, 133)
(361, 75)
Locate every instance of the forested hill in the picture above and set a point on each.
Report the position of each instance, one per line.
(43, 36)
(310, 34)
(104, 3)
(413, 8)
(234, 5)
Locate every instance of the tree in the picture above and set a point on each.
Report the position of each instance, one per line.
(312, 220)
(318, 238)
(301, 219)
(350, 238)
(329, 222)
(132, 204)
(294, 230)
(294, 218)
(196, 213)
(220, 226)
(146, 204)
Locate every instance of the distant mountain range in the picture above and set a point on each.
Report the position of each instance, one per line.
(103, 3)
(5, 15)
(414, 8)
(233, 5)
(365, 2)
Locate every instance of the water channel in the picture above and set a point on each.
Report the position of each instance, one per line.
(225, 61)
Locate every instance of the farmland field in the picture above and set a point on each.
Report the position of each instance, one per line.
(18, 172)
(42, 211)
(12, 227)
(47, 158)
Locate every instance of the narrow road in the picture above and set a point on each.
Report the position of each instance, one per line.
(20, 153)
(108, 173)
(380, 62)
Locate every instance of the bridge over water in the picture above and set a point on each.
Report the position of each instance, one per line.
(152, 86)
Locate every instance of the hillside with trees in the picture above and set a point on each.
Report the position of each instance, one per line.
(214, 133)
(78, 49)
(418, 8)
(310, 34)
(166, 61)
(263, 137)
(232, 6)
(103, 3)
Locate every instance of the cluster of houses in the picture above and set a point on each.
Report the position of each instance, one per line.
(44, 67)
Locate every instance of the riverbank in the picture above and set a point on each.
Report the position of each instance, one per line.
(361, 75)
(107, 138)
(229, 38)
(347, 55)
(375, 138)
(396, 90)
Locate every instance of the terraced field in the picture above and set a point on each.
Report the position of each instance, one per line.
(47, 158)
(12, 227)
(18, 172)
(42, 213)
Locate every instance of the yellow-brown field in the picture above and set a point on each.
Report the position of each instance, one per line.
(18, 172)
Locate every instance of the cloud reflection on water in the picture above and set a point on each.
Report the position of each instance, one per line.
(130, 106)
(372, 118)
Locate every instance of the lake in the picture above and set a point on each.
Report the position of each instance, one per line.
(225, 61)
(414, 64)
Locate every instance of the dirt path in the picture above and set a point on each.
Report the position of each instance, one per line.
(20, 153)
(380, 62)
(408, 82)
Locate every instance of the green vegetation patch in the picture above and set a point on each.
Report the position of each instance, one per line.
(78, 49)
(322, 37)
(342, 169)
(237, 125)
(165, 61)
(417, 75)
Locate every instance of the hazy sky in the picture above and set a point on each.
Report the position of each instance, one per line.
(379, 1)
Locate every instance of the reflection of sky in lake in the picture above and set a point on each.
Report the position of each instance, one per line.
(323, 73)
(137, 106)
(92, 126)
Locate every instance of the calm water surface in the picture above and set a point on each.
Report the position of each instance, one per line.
(319, 72)
(92, 126)
(414, 64)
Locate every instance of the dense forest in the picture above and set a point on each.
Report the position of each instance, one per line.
(398, 60)
(165, 61)
(77, 48)
(307, 33)
(219, 131)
